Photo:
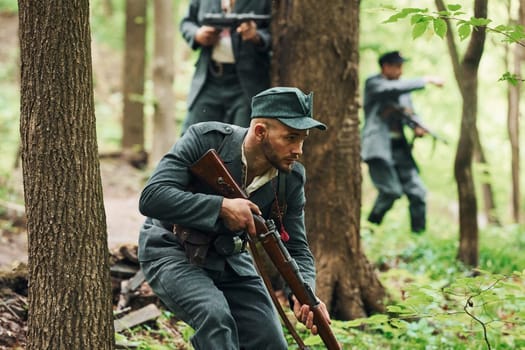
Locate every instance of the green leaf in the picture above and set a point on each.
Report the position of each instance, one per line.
(395, 309)
(511, 78)
(403, 13)
(479, 22)
(440, 27)
(354, 323)
(419, 29)
(313, 340)
(378, 318)
(454, 7)
(418, 18)
(464, 31)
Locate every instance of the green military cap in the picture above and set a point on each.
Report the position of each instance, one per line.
(289, 105)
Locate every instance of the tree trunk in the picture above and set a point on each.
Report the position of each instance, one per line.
(163, 77)
(513, 120)
(133, 82)
(314, 55)
(489, 204)
(466, 73)
(69, 282)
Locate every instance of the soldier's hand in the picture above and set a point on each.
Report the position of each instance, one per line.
(237, 214)
(439, 82)
(306, 316)
(207, 36)
(248, 31)
(419, 131)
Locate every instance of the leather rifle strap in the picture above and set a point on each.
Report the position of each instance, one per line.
(260, 267)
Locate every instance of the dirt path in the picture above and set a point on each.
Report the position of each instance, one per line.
(121, 185)
(121, 182)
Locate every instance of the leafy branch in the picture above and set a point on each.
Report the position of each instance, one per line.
(478, 298)
(422, 21)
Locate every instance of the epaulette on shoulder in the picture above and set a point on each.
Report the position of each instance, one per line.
(223, 128)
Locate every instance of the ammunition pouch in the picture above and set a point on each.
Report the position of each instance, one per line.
(228, 245)
(197, 244)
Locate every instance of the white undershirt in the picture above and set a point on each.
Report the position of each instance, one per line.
(223, 51)
(258, 181)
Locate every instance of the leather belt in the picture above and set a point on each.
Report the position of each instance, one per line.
(218, 69)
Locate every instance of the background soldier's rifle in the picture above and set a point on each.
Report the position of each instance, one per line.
(211, 170)
(232, 20)
(408, 117)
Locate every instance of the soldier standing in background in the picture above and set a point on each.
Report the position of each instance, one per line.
(384, 146)
(233, 65)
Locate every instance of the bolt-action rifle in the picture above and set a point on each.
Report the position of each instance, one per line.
(211, 170)
(408, 116)
(232, 20)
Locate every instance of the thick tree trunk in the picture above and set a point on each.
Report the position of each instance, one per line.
(133, 82)
(69, 283)
(163, 77)
(313, 54)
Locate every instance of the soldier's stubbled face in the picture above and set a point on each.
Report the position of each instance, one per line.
(283, 146)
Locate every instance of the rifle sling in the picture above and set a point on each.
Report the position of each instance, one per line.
(262, 272)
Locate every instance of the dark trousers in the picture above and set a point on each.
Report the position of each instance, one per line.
(227, 311)
(394, 180)
(221, 99)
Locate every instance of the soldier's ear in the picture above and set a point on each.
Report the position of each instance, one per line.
(260, 131)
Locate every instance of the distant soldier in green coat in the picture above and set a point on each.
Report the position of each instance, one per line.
(223, 298)
(384, 146)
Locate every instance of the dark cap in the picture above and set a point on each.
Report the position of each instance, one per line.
(289, 105)
(391, 57)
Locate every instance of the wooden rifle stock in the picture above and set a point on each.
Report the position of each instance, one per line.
(210, 169)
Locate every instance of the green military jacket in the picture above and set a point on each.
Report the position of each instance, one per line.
(165, 201)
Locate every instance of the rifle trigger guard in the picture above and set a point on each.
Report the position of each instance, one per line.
(271, 230)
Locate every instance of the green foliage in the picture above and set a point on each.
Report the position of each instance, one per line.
(422, 21)
(8, 6)
(434, 301)
(9, 115)
(165, 334)
(106, 28)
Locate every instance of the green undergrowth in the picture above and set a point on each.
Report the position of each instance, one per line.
(434, 301)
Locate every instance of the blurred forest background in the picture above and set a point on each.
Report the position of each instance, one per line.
(404, 261)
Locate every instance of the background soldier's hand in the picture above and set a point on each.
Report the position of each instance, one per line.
(419, 131)
(207, 36)
(248, 31)
(237, 214)
(439, 82)
(306, 316)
